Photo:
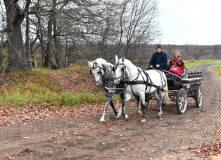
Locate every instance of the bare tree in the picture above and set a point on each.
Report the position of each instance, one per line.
(127, 23)
(17, 61)
(59, 32)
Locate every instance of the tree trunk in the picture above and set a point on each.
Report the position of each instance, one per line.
(17, 60)
(56, 44)
(27, 43)
(47, 60)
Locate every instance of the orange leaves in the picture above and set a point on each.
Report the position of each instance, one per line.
(11, 115)
(207, 150)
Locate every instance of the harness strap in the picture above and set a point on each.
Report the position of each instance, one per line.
(148, 78)
(109, 79)
(142, 82)
(139, 72)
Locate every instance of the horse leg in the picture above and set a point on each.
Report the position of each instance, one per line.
(143, 108)
(113, 107)
(109, 98)
(122, 100)
(127, 98)
(105, 108)
(159, 101)
(138, 104)
(147, 100)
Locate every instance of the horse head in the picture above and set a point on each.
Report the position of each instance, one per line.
(119, 69)
(97, 70)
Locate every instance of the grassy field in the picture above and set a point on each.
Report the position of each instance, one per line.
(189, 63)
(40, 89)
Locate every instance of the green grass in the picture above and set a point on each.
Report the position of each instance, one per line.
(217, 69)
(218, 66)
(31, 93)
(189, 63)
(39, 88)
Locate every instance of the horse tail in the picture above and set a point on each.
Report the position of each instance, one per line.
(166, 96)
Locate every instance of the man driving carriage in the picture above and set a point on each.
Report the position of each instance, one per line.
(159, 59)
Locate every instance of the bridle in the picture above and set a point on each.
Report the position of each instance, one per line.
(105, 74)
(122, 69)
(100, 72)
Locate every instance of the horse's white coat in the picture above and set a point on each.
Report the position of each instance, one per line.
(98, 71)
(139, 108)
(95, 71)
(100, 61)
(131, 73)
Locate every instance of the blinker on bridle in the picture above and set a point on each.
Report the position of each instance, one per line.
(123, 69)
(94, 67)
(118, 63)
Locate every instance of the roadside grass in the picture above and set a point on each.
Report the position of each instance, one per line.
(216, 69)
(189, 63)
(77, 68)
(218, 66)
(39, 88)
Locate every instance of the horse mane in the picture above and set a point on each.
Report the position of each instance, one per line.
(102, 62)
(128, 62)
(99, 61)
(107, 67)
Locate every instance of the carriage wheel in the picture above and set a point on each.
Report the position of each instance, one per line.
(199, 97)
(181, 101)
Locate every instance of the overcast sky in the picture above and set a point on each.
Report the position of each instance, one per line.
(190, 21)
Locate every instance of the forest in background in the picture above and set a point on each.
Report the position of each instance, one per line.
(54, 34)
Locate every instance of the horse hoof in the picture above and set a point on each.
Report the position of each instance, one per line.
(102, 120)
(139, 112)
(126, 116)
(159, 113)
(118, 116)
(143, 120)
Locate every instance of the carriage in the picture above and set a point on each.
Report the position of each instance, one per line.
(144, 85)
(184, 86)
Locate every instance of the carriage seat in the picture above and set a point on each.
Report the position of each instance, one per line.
(192, 80)
(193, 77)
(185, 72)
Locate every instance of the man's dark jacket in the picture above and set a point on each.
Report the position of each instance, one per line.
(159, 58)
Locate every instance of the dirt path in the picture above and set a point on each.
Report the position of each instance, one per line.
(119, 139)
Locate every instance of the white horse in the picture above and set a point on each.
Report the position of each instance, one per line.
(139, 84)
(104, 77)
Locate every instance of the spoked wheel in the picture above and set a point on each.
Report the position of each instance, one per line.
(181, 101)
(199, 97)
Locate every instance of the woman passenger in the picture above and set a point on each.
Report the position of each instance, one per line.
(176, 64)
